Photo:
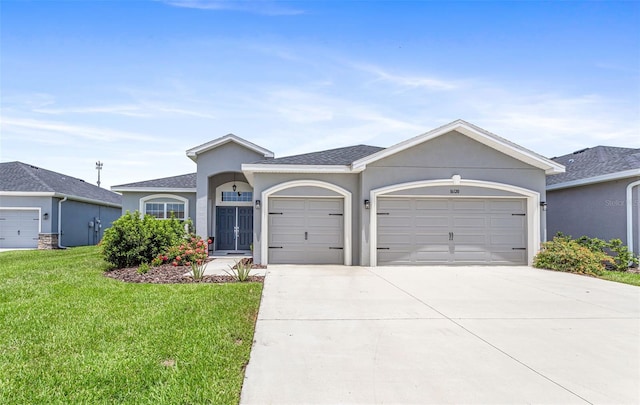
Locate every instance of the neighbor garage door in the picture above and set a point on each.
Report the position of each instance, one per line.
(19, 229)
(306, 231)
(451, 231)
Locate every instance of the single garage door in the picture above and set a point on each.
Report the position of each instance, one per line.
(306, 230)
(19, 229)
(451, 231)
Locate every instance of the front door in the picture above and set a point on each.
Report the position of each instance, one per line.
(234, 228)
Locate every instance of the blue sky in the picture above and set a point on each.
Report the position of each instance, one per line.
(136, 83)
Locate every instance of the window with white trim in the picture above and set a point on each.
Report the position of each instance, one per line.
(244, 196)
(163, 210)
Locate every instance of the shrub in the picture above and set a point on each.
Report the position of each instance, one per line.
(192, 250)
(623, 258)
(143, 269)
(132, 240)
(564, 254)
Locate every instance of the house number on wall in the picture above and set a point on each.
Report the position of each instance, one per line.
(454, 191)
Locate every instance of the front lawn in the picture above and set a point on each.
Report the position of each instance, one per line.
(70, 335)
(621, 277)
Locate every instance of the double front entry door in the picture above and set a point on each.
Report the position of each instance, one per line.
(234, 228)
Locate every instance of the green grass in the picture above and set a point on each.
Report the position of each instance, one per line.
(70, 335)
(620, 277)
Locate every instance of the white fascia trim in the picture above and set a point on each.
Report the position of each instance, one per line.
(57, 195)
(264, 216)
(629, 203)
(146, 198)
(275, 168)
(596, 179)
(484, 137)
(28, 209)
(249, 169)
(533, 209)
(152, 190)
(194, 152)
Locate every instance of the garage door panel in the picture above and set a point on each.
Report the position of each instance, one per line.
(429, 239)
(468, 205)
(436, 205)
(289, 204)
(466, 222)
(327, 221)
(395, 204)
(430, 221)
(431, 257)
(512, 221)
(517, 206)
(303, 255)
(324, 206)
(509, 256)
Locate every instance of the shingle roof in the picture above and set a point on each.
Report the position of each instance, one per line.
(596, 161)
(182, 181)
(18, 176)
(339, 156)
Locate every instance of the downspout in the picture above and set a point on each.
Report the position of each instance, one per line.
(60, 222)
(630, 214)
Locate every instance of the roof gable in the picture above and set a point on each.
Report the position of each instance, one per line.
(19, 178)
(478, 134)
(194, 152)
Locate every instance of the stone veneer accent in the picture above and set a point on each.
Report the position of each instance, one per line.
(48, 241)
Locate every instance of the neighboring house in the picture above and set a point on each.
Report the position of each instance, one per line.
(597, 196)
(44, 209)
(454, 195)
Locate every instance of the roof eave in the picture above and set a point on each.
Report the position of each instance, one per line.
(152, 189)
(595, 179)
(58, 195)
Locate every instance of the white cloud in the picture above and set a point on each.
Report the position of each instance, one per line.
(409, 81)
(51, 128)
(265, 7)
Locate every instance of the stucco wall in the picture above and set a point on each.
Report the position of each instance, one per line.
(595, 210)
(349, 182)
(225, 158)
(75, 222)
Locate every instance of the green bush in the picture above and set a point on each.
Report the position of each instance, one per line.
(132, 240)
(565, 254)
(623, 258)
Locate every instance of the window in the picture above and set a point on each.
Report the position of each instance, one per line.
(246, 196)
(163, 210)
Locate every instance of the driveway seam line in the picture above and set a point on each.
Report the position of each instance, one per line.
(452, 320)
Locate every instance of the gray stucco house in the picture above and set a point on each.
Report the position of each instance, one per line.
(597, 196)
(44, 209)
(455, 195)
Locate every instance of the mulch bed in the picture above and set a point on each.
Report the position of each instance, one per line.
(168, 274)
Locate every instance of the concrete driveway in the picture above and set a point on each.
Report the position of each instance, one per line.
(473, 335)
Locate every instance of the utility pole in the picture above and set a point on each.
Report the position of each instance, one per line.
(98, 168)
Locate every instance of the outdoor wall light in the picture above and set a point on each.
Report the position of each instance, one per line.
(45, 216)
(257, 204)
(367, 204)
(543, 204)
(234, 187)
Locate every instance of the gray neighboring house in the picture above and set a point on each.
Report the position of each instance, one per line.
(597, 196)
(455, 195)
(44, 209)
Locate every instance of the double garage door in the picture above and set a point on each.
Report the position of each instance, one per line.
(19, 228)
(451, 231)
(306, 230)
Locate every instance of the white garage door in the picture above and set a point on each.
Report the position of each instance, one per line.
(451, 231)
(306, 231)
(19, 229)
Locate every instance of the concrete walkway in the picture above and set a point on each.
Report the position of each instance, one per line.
(443, 335)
